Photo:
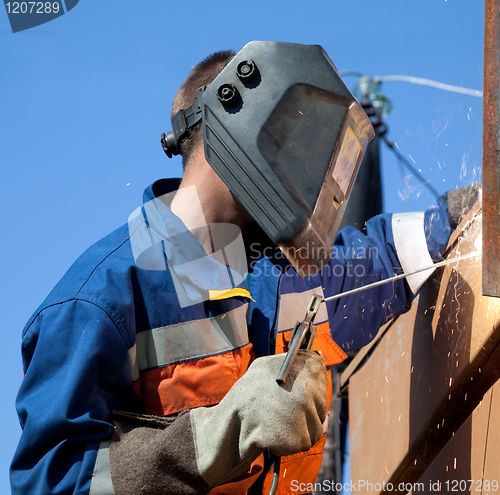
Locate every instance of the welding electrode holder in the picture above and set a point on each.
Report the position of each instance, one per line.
(302, 338)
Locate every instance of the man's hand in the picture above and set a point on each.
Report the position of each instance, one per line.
(460, 201)
(258, 414)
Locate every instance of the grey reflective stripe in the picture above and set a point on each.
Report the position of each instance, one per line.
(134, 365)
(192, 339)
(101, 477)
(293, 307)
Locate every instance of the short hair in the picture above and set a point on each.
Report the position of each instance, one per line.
(201, 74)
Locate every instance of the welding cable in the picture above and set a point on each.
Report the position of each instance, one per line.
(420, 81)
(276, 475)
(402, 275)
(410, 167)
(377, 81)
(429, 82)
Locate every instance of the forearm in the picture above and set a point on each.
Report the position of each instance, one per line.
(394, 244)
(152, 455)
(210, 446)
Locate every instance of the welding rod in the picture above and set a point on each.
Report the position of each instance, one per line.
(403, 275)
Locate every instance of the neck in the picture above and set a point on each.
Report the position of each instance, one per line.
(187, 206)
(203, 199)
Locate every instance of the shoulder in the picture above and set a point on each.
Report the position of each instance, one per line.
(103, 264)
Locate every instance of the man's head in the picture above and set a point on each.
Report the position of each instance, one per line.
(285, 135)
(201, 74)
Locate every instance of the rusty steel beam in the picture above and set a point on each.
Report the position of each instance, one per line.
(420, 382)
(491, 147)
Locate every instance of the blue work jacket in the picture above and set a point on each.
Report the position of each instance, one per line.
(88, 347)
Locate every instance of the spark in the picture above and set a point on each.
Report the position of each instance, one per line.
(450, 381)
(284, 472)
(399, 418)
(386, 470)
(455, 463)
(412, 159)
(301, 113)
(128, 184)
(386, 380)
(223, 316)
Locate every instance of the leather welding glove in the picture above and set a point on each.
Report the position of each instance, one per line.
(442, 219)
(209, 446)
(258, 414)
(460, 201)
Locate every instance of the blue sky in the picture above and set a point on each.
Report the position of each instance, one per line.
(85, 98)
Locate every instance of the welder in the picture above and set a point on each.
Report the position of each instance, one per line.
(150, 368)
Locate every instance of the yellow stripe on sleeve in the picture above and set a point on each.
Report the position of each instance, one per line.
(217, 295)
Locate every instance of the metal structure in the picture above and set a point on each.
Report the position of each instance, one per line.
(491, 151)
(424, 395)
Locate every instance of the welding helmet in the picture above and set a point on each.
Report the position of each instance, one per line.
(286, 135)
